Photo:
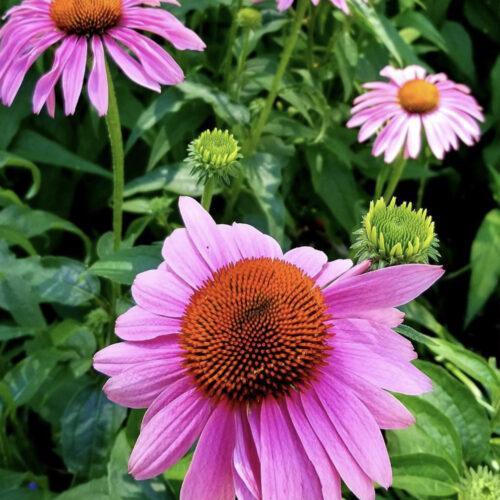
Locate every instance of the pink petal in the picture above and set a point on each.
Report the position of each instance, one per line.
(184, 260)
(72, 76)
(388, 287)
(139, 324)
(253, 244)
(292, 477)
(328, 476)
(97, 85)
(210, 474)
(332, 271)
(308, 259)
(245, 459)
(388, 412)
(390, 316)
(161, 293)
(166, 438)
(352, 474)
(129, 65)
(116, 358)
(140, 384)
(203, 232)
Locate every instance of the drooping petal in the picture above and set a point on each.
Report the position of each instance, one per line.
(72, 75)
(140, 324)
(167, 437)
(210, 473)
(332, 271)
(97, 85)
(308, 259)
(254, 244)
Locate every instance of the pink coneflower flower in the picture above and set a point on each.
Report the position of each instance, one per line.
(35, 25)
(410, 102)
(278, 362)
(284, 4)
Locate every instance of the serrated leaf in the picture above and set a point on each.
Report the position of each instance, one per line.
(88, 430)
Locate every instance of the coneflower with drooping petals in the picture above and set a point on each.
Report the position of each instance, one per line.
(412, 103)
(278, 362)
(84, 27)
(284, 4)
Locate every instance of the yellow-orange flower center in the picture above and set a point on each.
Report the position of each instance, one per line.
(418, 96)
(85, 17)
(256, 328)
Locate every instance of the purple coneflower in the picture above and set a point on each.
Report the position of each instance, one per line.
(278, 362)
(412, 102)
(36, 25)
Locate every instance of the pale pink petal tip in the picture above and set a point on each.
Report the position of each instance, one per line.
(446, 114)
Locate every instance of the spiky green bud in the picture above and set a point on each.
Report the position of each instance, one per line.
(392, 234)
(480, 484)
(215, 153)
(249, 18)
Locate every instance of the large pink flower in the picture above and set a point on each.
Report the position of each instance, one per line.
(278, 362)
(35, 25)
(412, 103)
(284, 4)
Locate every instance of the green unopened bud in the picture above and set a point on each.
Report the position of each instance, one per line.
(96, 320)
(393, 234)
(215, 153)
(480, 484)
(249, 18)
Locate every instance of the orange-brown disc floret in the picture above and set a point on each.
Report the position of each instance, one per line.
(418, 96)
(256, 328)
(85, 17)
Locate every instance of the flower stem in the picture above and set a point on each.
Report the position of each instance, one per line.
(208, 192)
(226, 63)
(397, 171)
(116, 142)
(275, 86)
(381, 179)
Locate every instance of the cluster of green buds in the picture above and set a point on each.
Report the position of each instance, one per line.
(480, 484)
(392, 234)
(214, 154)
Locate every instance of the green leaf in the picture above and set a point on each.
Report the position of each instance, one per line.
(16, 237)
(97, 489)
(412, 334)
(89, 426)
(461, 54)
(485, 264)
(27, 376)
(122, 486)
(416, 20)
(176, 178)
(10, 160)
(17, 297)
(433, 433)
(10, 480)
(38, 148)
(472, 364)
(458, 403)
(176, 474)
(424, 474)
(335, 185)
(35, 222)
(123, 266)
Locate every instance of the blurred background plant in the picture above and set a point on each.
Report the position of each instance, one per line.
(308, 183)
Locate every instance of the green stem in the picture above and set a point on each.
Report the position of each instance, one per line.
(116, 142)
(397, 171)
(226, 62)
(241, 63)
(235, 190)
(275, 86)
(421, 185)
(208, 192)
(310, 39)
(381, 180)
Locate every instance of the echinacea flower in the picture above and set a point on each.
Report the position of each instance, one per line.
(284, 4)
(36, 25)
(413, 102)
(278, 362)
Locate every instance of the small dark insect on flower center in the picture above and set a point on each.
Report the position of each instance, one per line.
(418, 96)
(85, 17)
(256, 328)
